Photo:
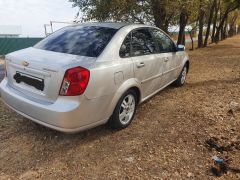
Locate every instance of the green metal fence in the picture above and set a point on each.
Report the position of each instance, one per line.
(8, 45)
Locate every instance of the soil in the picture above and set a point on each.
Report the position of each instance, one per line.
(174, 135)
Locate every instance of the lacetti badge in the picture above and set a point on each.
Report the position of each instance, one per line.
(25, 63)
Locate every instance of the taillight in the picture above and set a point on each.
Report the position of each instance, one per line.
(75, 82)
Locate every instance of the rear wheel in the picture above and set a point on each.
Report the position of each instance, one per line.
(182, 77)
(124, 111)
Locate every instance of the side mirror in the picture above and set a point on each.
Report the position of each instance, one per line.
(181, 47)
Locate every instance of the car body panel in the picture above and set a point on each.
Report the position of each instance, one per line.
(147, 74)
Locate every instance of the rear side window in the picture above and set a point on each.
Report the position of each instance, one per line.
(165, 44)
(142, 43)
(78, 40)
(126, 47)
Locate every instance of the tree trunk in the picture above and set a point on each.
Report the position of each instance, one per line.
(201, 24)
(233, 26)
(160, 14)
(220, 27)
(210, 22)
(221, 34)
(229, 9)
(232, 30)
(191, 36)
(182, 24)
(215, 21)
(224, 30)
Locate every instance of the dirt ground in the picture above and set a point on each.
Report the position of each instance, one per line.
(174, 135)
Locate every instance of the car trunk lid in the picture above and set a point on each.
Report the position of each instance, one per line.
(39, 73)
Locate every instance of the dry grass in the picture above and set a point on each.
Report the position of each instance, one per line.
(174, 135)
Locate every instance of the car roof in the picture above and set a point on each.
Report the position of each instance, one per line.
(114, 25)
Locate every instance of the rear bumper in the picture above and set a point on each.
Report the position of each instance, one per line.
(66, 114)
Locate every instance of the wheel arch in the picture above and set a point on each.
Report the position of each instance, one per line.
(126, 86)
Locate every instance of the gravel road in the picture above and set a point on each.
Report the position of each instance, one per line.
(174, 135)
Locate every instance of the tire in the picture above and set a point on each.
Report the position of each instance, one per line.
(124, 111)
(182, 77)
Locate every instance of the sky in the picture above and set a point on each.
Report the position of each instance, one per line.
(31, 15)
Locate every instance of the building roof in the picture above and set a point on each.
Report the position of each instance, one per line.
(10, 30)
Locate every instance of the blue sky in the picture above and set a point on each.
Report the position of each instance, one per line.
(32, 14)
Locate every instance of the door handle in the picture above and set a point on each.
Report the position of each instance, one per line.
(140, 65)
(166, 59)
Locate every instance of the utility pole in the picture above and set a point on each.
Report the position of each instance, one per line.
(55, 22)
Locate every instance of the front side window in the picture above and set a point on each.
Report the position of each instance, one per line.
(165, 44)
(78, 40)
(142, 43)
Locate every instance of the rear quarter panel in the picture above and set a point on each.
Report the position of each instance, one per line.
(108, 82)
(107, 77)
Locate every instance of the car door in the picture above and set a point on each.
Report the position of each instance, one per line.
(168, 56)
(147, 68)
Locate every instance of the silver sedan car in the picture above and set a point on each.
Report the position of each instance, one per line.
(86, 75)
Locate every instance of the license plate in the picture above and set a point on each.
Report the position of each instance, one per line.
(30, 80)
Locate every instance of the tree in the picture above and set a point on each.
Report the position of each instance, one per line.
(233, 23)
(182, 25)
(212, 6)
(228, 6)
(160, 14)
(217, 7)
(165, 14)
(185, 9)
(155, 12)
(201, 23)
(191, 31)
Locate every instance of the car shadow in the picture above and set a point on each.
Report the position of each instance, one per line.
(212, 82)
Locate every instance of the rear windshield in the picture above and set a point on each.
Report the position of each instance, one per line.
(78, 40)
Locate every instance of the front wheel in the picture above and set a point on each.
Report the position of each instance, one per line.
(124, 111)
(182, 77)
